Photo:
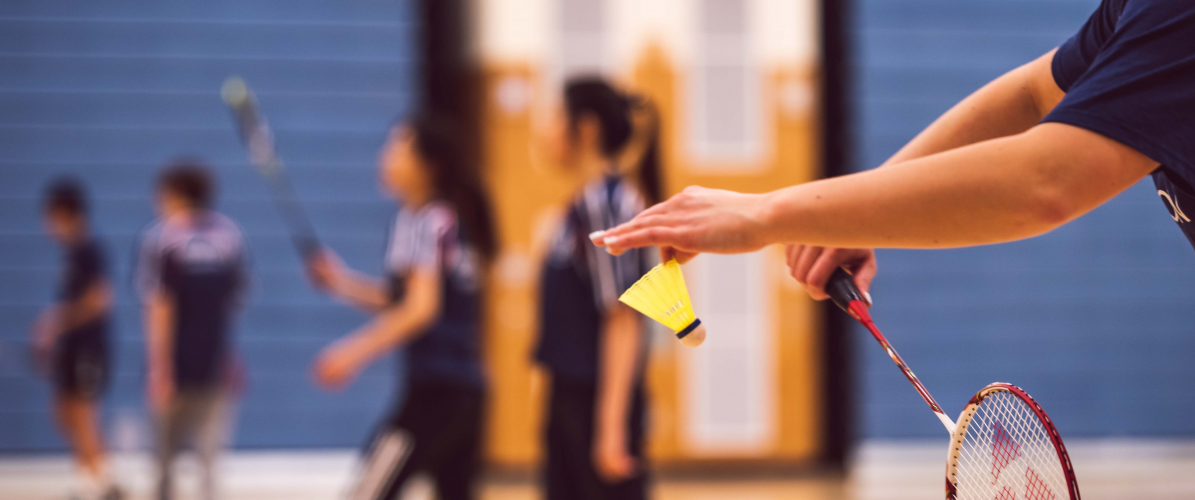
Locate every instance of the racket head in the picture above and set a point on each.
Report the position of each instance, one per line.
(1005, 447)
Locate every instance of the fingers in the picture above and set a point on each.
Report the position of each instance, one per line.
(660, 215)
(681, 256)
(861, 263)
(864, 272)
(646, 237)
(804, 262)
(820, 271)
(791, 252)
(615, 467)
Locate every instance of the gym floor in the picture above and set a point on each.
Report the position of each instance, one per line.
(1107, 470)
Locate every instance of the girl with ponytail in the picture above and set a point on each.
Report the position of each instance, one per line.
(428, 303)
(594, 347)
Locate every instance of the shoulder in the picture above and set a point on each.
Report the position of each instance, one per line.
(225, 228)
(224, 223)
(438, 217)
(415, 224)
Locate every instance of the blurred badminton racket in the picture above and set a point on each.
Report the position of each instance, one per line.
(259, 141)
(1003, 447)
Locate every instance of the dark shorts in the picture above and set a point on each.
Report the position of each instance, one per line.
(437, 432)
(569, 472)
(81, 366)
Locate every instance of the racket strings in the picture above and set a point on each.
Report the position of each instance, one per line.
(1008, 454)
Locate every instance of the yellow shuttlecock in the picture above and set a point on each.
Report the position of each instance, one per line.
(661, 295)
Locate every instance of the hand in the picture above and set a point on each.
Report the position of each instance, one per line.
(610, 457)
(335, 366)
(160, 390)
(325, 269)
(812, 266)
(696, 220)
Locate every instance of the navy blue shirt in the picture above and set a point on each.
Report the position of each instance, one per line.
(430, 239)
(1129, 74)
(85, 267)
(200, 266)
(581, 282)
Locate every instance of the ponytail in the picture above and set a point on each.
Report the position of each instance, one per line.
(629, 126)
(646, 144)
(456, 181)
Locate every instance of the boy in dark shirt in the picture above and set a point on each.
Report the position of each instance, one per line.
(190, 274)
(70, 337)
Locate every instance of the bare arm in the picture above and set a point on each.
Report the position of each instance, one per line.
(620, 343)
(391, 328)
(329, 273)
(59, 318)
(159, 347)
(361, 290)
(994, 191)
(1009, 105)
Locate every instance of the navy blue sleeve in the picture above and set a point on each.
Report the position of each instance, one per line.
(1075, 55)
(1137, 89)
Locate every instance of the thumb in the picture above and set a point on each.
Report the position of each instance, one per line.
(863, 276)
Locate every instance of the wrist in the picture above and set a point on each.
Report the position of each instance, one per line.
(766, 212)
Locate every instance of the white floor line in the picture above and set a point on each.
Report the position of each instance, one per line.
(891, 470)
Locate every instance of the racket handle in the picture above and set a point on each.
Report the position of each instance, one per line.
(842, 290)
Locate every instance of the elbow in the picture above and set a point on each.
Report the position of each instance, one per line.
(1050, 205)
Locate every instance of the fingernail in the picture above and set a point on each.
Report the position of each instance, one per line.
(596, 235)
(610, 240)
(867, 296)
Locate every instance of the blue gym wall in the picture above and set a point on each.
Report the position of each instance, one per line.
(108, 91)
(1095, 319)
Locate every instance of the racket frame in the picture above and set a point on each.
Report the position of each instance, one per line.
(964, 421)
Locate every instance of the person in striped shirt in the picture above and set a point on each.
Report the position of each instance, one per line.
(594, 347)
(429, 303)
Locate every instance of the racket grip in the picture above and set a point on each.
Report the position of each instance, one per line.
(842, 290)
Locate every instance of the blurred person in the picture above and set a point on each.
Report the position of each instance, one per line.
(1032, 150)
(71, 339)
(594, 347)
(191, 276)
(429, 303)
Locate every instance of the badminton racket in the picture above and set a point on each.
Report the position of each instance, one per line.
(1003, 446)
(255, 133)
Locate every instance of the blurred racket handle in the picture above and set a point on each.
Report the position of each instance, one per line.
(842, 290)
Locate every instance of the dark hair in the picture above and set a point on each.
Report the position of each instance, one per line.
(613, 110)
(455, 179)
(65, 195)
(191, 179)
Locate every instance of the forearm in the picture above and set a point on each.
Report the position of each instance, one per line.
(361, 291)
(998, 190)
(1009, 105)
(397, 324)
(619, 360)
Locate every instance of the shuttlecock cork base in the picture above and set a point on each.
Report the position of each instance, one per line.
(661, 295)
(693, 335)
